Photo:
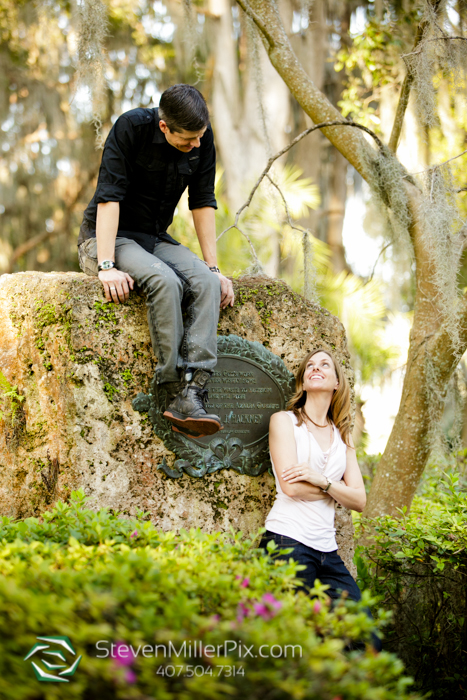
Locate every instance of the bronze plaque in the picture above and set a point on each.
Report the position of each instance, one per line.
(244, 396)
(248, 385)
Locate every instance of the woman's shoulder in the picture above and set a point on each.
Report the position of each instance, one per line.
(337, 433)
(282, 418)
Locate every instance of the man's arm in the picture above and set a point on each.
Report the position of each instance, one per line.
(205, 227)
(116, 284)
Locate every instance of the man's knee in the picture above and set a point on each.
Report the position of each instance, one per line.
(167, 283)
(207, 283)
(87, 257)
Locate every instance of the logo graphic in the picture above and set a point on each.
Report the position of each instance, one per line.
(53, 673)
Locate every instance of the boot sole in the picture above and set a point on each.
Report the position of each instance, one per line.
(206, 426)
(187, 433)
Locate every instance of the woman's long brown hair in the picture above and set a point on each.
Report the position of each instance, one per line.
(339, 410)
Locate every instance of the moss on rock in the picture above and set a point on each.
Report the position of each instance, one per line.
(79, 361)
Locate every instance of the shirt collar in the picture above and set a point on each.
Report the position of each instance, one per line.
(158, 134)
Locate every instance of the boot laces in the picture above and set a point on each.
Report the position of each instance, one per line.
(200, 397)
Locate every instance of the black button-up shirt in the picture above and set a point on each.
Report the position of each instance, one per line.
(147, 176)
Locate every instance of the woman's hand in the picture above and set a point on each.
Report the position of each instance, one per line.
(303, 472)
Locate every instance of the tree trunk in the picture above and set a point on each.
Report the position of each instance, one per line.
(310, 154)
(349, 142)
(431, 362)
(335, 212)
(236, 102)
(315, 155)
(430, 347)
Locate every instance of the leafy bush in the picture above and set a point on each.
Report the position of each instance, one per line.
(418, 565)
(95, 577)
(85, 526)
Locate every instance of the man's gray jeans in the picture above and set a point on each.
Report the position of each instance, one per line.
(172, 277)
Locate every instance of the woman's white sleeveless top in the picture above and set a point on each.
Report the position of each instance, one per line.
(309, 522)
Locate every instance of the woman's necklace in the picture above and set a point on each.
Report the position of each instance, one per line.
(312, 421)
(326, 454)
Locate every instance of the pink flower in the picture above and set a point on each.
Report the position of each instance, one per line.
(242, 611)
(134, 534)
(269, 599)
(123, 655)
(130, 676)
(267, 607)
(245, 583)
(263, 610)
(316, 606)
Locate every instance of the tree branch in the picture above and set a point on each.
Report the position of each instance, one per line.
(422, 29)
(405, 92)
(436, 38)
(269, 164)
(400, 111)
(33, 242)
(377, 261)
(30, 244)
(257, 20)
(307, 291)
(439, 165)
(266, 17)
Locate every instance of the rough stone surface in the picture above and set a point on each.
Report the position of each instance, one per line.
(79, 362)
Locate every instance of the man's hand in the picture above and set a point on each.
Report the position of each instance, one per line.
(205, 227)
(227, 292)
(116, 285)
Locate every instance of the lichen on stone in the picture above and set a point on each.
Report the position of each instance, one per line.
(78, 414)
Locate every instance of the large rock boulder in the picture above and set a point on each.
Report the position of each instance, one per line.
(71, 365)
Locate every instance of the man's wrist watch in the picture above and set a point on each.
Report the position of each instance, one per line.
(214, 268)
(105, 265)
(327, 487)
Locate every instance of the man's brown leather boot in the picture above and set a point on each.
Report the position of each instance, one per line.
(188, 409)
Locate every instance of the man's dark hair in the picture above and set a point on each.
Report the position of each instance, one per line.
(183, 108)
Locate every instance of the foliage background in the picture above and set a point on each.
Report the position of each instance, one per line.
(93, 576)
(358, 53)
(416, 565)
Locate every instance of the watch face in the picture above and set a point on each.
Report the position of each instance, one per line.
(107, 265)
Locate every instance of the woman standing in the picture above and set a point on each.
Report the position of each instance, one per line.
(315, 466)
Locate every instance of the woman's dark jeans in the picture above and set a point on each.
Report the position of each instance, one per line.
(328, 567)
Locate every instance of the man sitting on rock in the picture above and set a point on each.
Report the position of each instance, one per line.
(150, 157)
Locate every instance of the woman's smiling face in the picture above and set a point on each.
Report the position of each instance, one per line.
(320, 373)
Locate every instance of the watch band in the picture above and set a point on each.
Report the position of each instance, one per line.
(214, 268)
(326, 489)
(105, 265)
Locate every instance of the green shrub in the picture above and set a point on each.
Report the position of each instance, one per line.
(418, 566)
(94, 576)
